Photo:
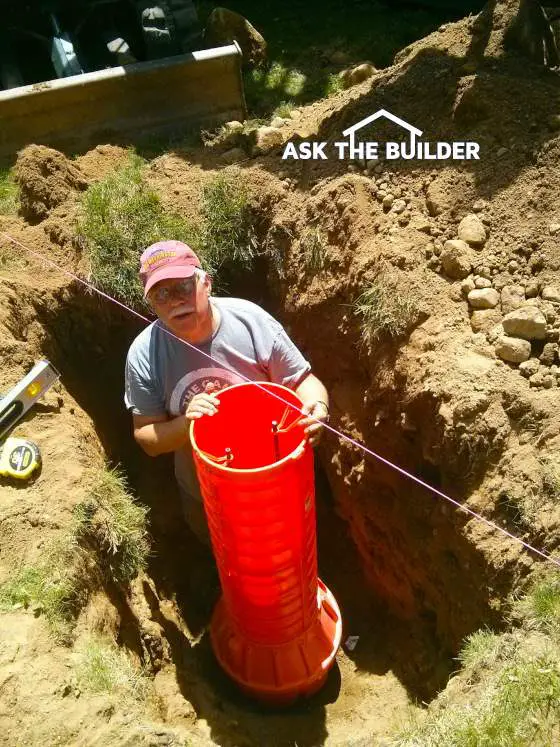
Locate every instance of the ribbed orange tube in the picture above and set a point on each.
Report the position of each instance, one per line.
(277, 627)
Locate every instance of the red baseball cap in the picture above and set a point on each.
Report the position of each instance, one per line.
(165, 260)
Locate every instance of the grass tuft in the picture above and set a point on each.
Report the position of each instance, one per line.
(483, 648)
(284, 110)
(54, 589)
(120, 217)
(103, 667)
(314, 245)
(9, 193)
(108, 536)
(387, 310)
(226, 235)
(334, 84)
(541, 607)
(113, 524)
(508, 694)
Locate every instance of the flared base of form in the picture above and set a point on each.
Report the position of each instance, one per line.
(278, 674)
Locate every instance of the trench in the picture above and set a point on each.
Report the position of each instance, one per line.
(87, 340)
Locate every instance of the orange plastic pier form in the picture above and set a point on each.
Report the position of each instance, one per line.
(276, 628)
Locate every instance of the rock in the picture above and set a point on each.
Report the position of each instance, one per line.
(233, 155)
(278, 122)
(479, 206)
(550, 293)
(532, 289)
(456, 259)
(467, 285)
(530, 367)
(495, 333)
(388, 202)
(548, 355)
(483, 320)
(536, 380)
(358, 74)
(527, 322)
(548, 382)
(550, 312)
(482, 282)
(267, 138)
(484, 298)
(471, 230)
(420, 223)
(399, 206)
(225, 26)
(554, 228)
(512, 349)
(513, 297)
(233, 126)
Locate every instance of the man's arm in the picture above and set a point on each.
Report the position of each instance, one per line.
(315, 398)
(160, 434)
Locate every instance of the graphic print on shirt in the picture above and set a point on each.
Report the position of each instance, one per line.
(195, 382)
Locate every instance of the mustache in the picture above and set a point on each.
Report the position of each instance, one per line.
(181, 312)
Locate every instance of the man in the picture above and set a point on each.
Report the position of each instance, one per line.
(169, 383)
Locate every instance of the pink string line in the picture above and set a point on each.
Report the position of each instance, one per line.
(350, 440)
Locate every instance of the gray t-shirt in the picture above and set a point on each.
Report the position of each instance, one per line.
(163, 373)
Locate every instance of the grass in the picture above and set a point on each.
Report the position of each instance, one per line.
(511, 684)
(120, 217)
(108, 535)
(284, 110)
(54, 588)
(226, 235)
(387, 310)
(9, 193)
(113, 524)
(541, 608)
(103, 667)
(314, 245)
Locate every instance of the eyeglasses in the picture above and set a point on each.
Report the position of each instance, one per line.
(180, 290)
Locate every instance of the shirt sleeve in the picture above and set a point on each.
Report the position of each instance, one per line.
(141, 395)
(287, 365)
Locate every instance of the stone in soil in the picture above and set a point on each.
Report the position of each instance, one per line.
(550, 293)
(513, 349)
(528, 322)
(530, 367)
(471, 229)
(484, 298)
(513, 297)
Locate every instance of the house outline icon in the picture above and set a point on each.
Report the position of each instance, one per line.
(350, 132)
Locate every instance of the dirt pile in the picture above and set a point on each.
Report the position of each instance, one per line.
(46, 178)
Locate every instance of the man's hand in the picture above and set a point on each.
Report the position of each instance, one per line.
(318, 411)
(205, 403)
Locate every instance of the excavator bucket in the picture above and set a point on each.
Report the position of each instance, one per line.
(201, 88)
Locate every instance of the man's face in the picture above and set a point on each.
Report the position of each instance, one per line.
(182, 304)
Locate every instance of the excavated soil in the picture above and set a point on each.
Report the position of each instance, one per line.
(413, 574)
